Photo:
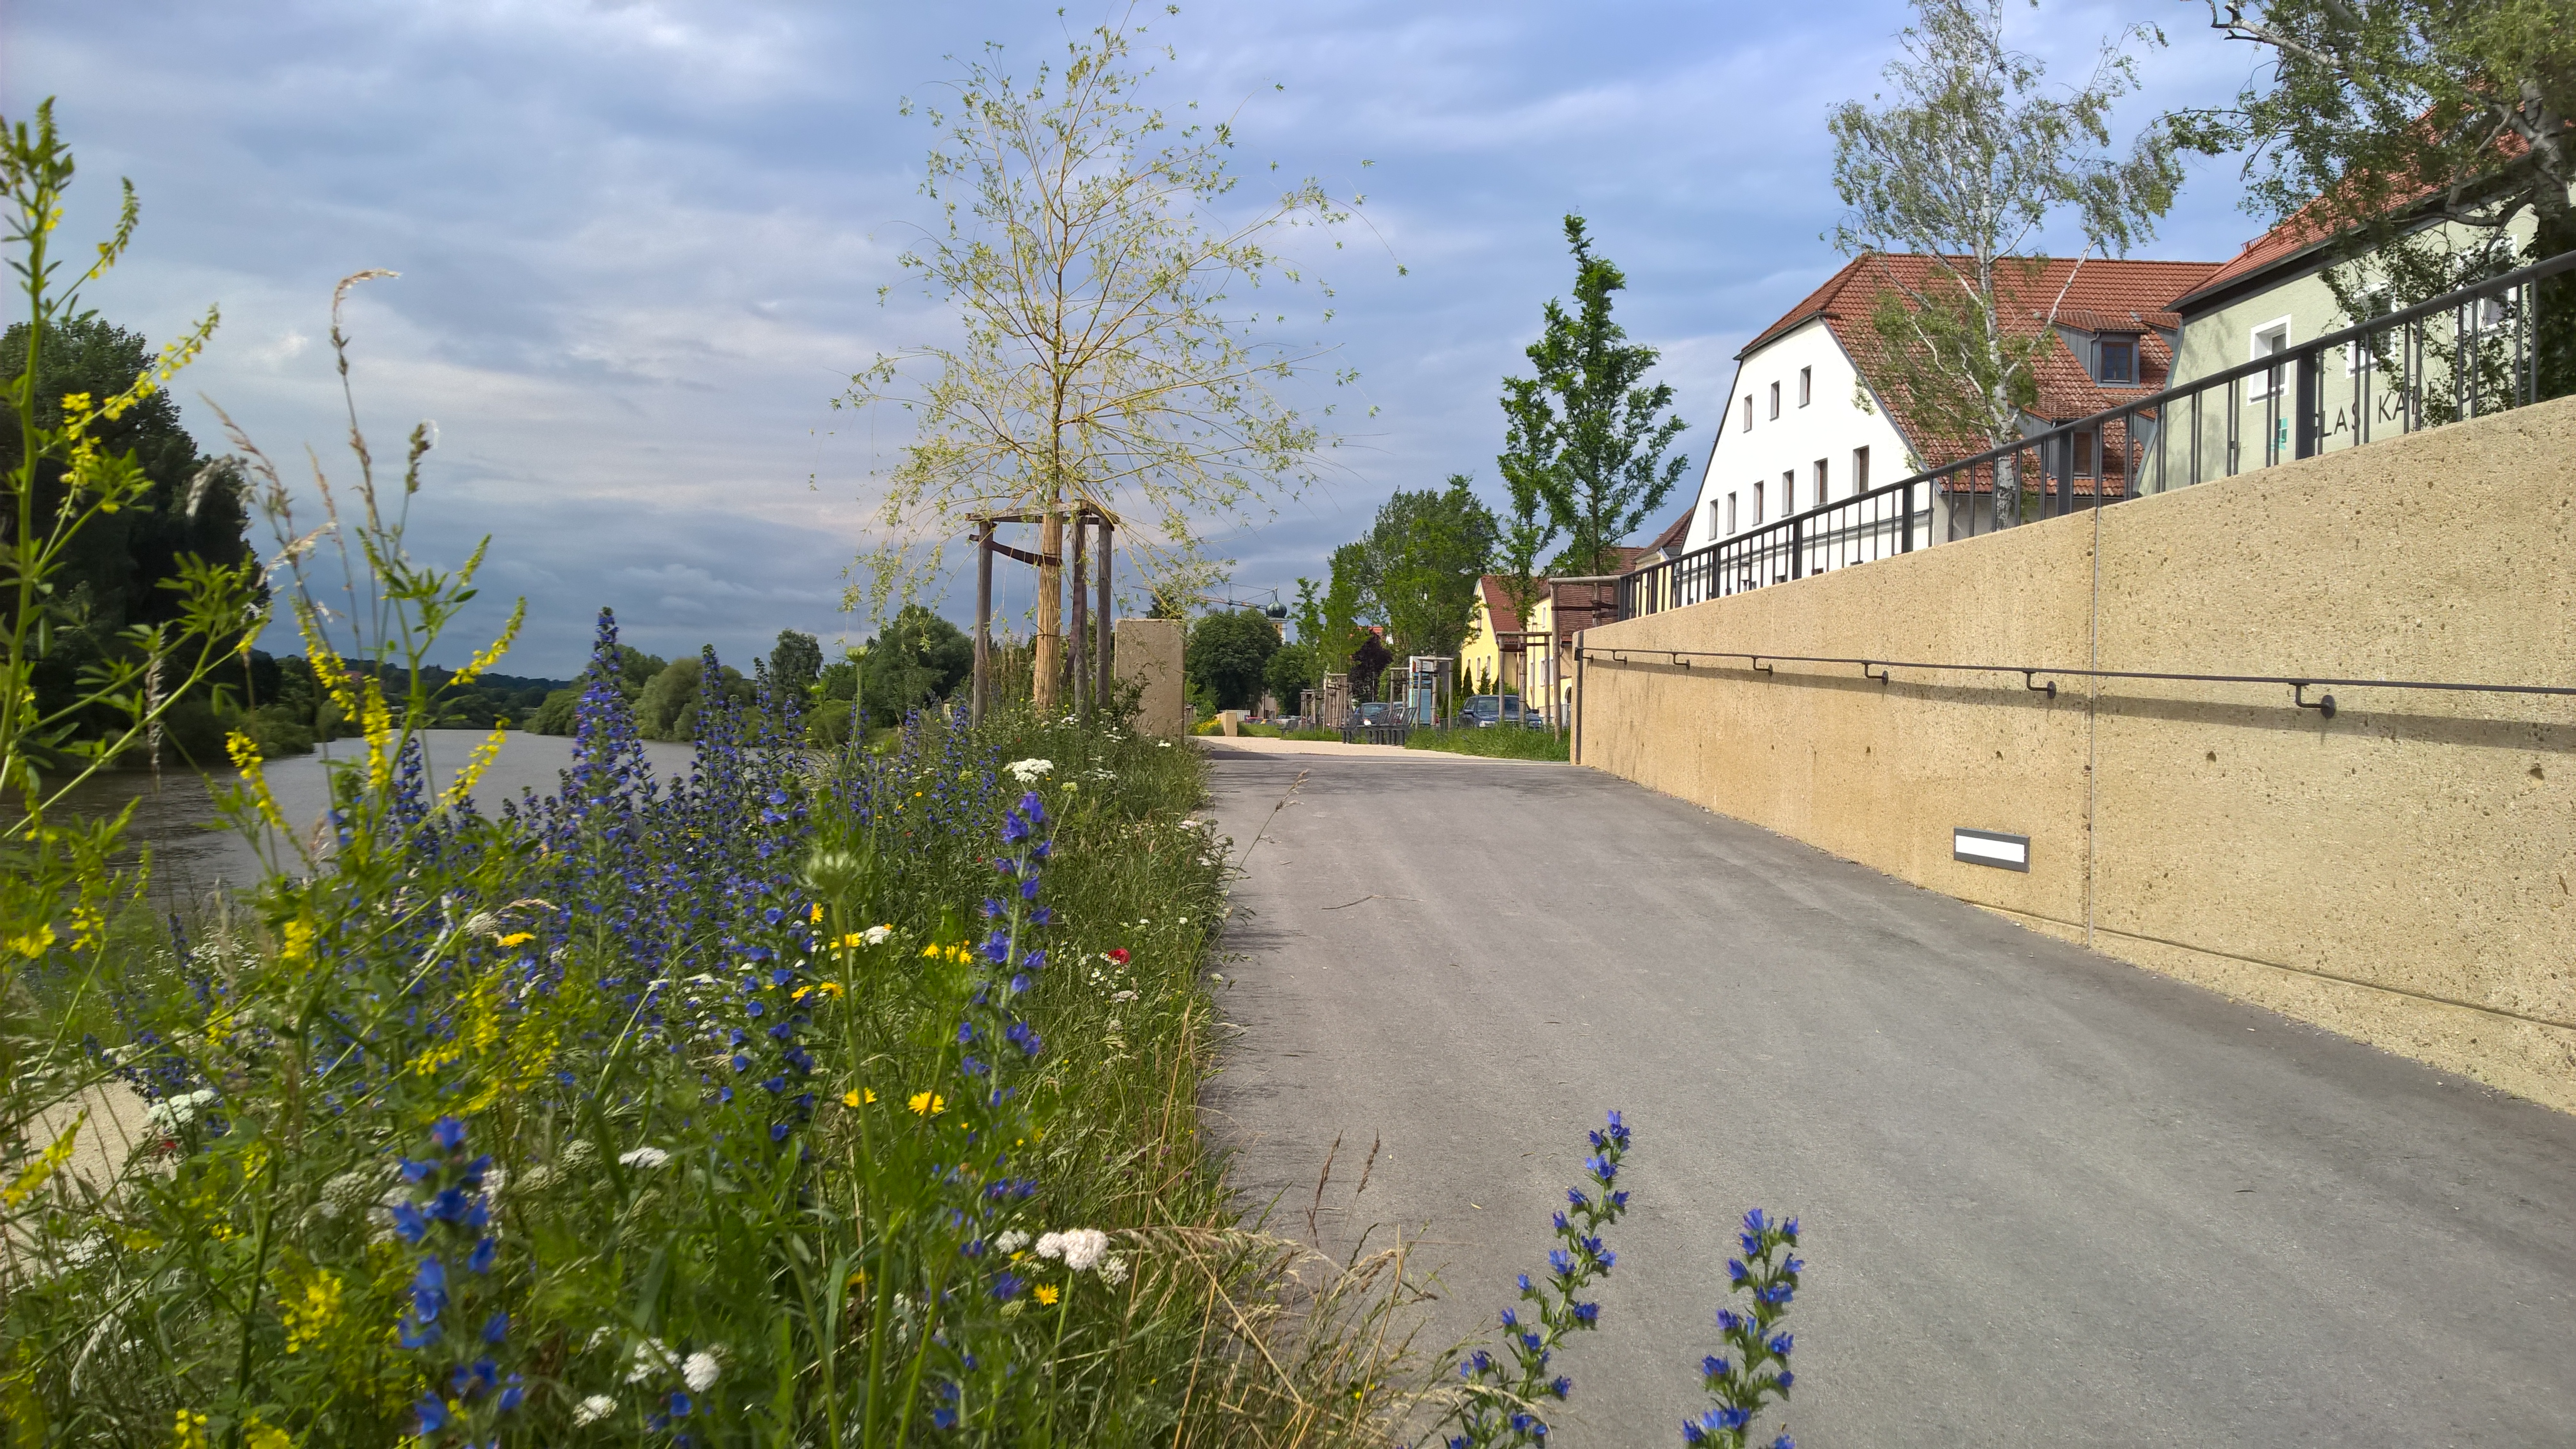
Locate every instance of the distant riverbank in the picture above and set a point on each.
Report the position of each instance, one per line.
(194, 852)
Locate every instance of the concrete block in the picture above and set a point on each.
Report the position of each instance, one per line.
(1148, 654)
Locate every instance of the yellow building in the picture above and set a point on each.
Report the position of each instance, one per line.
(1492, 648)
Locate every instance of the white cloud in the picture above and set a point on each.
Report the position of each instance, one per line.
(642, 242)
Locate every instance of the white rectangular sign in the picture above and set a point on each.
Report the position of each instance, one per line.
(1988, 847)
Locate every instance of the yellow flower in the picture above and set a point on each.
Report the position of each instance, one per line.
(308, 1319)
(930, 951)
(35, 943)
(47, 1163)
(256, 1435)
(1047, 1295)
(858, 1096)
(927, 1104)
(190, 1432)
(817, 913)
(852, 939)
(518, 938)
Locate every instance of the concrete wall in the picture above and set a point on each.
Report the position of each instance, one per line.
(1147, 652)
(2401, 873)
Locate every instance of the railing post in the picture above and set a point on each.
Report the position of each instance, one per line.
(1797, 548)
(1906, 502)
(2310, 404)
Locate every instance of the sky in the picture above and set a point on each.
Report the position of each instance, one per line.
(642, 242)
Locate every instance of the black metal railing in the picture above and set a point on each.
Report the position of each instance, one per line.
(2462, 355)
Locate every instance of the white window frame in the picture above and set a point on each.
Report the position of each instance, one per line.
(1824, 481)
(1860, 471)
(1788, 492)
(1806, 386)
(1775, 402)
(1757, 503)
(1730, 513)
(1748, 412)
(2257, 387)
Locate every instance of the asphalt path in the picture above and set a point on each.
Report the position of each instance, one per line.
(2047, 1198)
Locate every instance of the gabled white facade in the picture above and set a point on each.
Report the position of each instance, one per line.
(1764, 466)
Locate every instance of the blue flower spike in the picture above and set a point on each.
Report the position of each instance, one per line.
(1755, 1369)
(1502, 1415)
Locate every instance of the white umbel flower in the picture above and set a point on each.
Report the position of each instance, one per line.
(1080, 1248)
(651, 1358)
(699, 1371)
(1113, 1270)
(876, 935)
(593, 1409)
(1029, 772)
(1011, 1241)
(647, 1158)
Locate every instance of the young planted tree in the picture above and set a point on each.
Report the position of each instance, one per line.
(1104, 358)
(1966, 167)
(2374, 120)
(1587, 436)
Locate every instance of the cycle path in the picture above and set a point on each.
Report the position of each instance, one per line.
(2048, 1198)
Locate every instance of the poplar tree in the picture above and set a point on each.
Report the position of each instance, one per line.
(1104, 357)
(1587, 435)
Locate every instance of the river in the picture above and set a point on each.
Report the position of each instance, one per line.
(194, 852)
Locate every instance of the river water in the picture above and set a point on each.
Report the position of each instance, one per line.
(194, 852)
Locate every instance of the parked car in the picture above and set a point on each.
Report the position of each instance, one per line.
(1485, 711)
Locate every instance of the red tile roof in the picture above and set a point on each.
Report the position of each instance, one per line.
(2309, 228)
(2299, 234)
(1671, 538)
(1500, 616)
(2098, 295)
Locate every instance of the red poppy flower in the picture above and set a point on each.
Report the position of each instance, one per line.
(1119, 956)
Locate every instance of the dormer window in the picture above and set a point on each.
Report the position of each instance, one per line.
(2115, 361)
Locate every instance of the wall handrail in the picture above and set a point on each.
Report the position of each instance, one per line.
(2036, 677)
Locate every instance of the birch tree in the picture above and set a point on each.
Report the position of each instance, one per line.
(1969, 164)
(1107, 353)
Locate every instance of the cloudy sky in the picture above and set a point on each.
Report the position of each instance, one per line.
(641, 241)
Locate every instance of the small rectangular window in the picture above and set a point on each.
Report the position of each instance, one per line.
(1775, 400)
(1730, 513)
(1788, 491)
(2115, 361)
(1860, 470)
(1806, 385)
(1748, 411)
(2269, 340)
(1822, 491)
(1757, 505)
(2083, 455)
(1716, 518)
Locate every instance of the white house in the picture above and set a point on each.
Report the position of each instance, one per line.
(1805, 426)
(1796, 434)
